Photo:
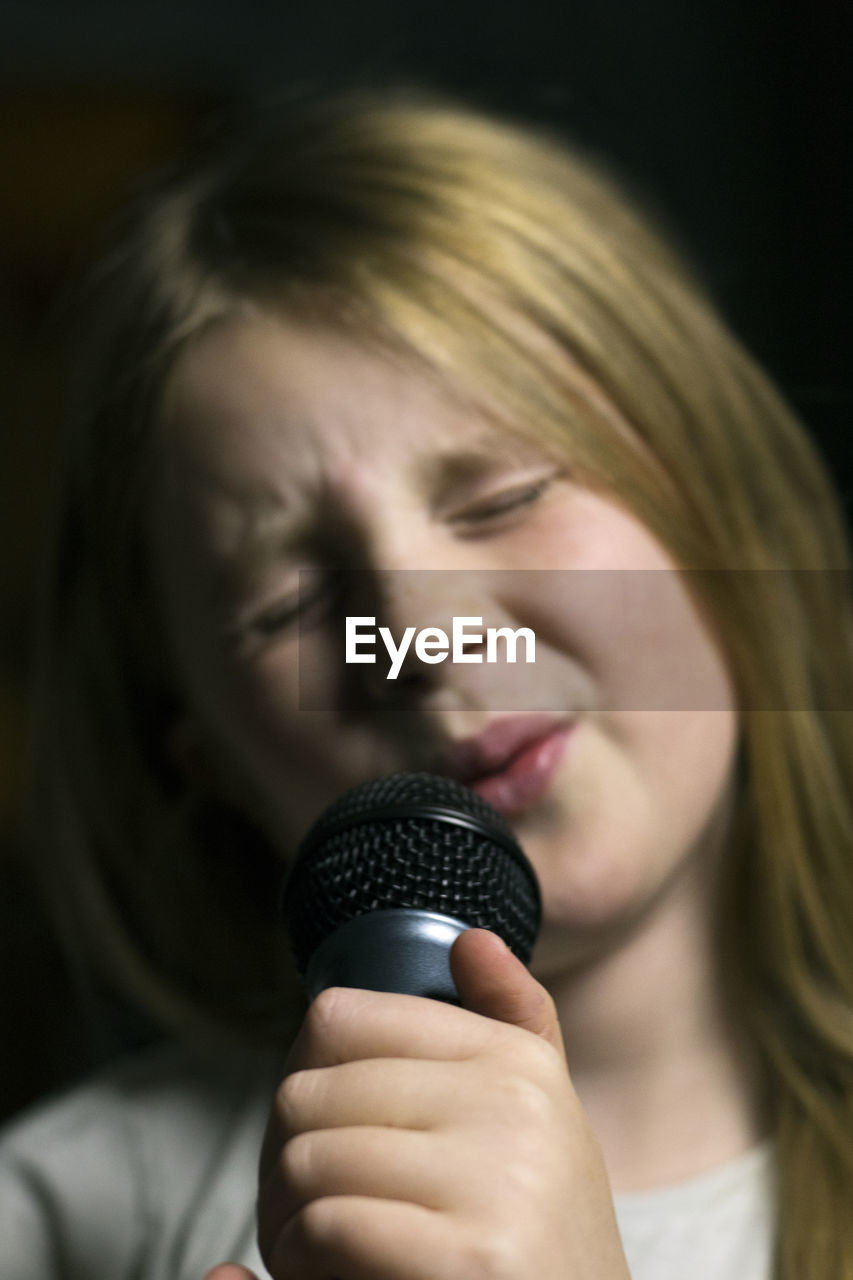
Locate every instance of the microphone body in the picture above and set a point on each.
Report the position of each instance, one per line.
(398, 949)
(392, 873)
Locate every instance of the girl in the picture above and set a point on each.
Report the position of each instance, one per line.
(390, 336)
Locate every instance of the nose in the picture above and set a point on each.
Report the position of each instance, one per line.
(417, 588)
(410, 571)
(416, 615)
(443, 641)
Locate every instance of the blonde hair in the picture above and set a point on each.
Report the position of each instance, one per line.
(463, 242)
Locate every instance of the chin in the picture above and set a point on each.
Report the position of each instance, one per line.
(585, 923)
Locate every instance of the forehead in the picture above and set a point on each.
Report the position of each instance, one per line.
(257, 394)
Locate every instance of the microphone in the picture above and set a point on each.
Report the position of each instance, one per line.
(392, 873)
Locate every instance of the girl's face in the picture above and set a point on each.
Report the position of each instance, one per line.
(288, 448)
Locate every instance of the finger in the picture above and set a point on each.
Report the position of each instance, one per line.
(347, 1023)
(385, 1164)
(399, 1093)
(230, 1271)
(493, 982)
(394, 1093)
(355, 1238)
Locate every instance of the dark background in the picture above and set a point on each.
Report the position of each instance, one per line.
(732, 119)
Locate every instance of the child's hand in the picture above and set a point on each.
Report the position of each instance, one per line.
(413, 1139)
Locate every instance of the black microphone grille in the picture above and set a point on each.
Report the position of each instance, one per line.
(411, 840)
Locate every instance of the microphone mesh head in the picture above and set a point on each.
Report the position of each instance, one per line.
(411, 840)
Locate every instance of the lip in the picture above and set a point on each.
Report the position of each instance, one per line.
(511, 763)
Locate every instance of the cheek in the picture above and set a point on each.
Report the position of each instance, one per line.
(288, 762)
(259, 699)
(665, 773)
(606, 593)
(686, 758)
(645, 801)
(264, 752)
(637, 637)
(254, 712)
(682, 766)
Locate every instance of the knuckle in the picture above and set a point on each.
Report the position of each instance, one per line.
(528, 1054)
(525, 1102)
(318, 1228)
(495, 1255)
(291, 1097)
(550, 1005)
(541, 1057)
(297, 1161)
(325, 1009)
(304, 1244)
(521, 1179)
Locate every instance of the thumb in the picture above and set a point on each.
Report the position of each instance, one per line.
(492, 981)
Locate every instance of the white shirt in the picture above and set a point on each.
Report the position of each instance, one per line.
(718, 1226)
(149, 1173)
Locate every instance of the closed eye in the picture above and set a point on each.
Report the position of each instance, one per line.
(277, 617)
(305, 607)
(503, 506)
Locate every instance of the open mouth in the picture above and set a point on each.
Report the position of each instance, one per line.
(511, 764)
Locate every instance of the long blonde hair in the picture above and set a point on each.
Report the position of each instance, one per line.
(434, 230)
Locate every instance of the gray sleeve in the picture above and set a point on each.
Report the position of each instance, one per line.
(148, 1173)
(28, 1236)
(69, 1199)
